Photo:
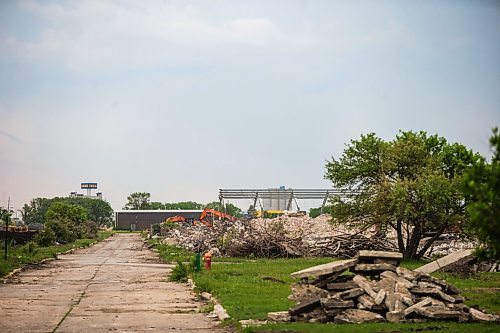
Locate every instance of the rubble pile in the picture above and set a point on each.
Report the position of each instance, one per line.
(285, 236)
(377, 290)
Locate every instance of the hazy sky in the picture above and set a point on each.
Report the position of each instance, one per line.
(181, 98)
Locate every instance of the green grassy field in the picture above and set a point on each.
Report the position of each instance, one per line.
(250, 288)
(18, 258)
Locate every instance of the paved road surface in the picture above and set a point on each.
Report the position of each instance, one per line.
(117, 285)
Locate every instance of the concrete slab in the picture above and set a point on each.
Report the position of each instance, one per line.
(445, 261)
(372, 255)
(325, 269)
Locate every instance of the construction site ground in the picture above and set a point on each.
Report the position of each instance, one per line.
(116, 285)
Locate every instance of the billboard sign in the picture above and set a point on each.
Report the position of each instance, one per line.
(89, 186)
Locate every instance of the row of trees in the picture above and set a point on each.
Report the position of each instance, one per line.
(98, 211)
(66, 219)
(142, 200)
(420, 186)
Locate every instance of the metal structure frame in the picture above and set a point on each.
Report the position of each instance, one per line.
(290, 194)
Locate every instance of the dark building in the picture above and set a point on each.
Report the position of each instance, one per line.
(143, 219)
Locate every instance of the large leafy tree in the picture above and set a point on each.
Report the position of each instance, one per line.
(98, 211)
(138, 200)
(34, 212)
(482, 188)
(410, 184)
(65, 211)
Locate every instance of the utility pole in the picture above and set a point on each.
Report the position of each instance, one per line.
(6, 228)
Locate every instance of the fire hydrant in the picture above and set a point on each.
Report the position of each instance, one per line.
(207, 258)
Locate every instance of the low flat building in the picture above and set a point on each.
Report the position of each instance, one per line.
(143, 219)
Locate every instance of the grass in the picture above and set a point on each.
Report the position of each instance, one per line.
(431, 326)
(250, 288)
(17, 256)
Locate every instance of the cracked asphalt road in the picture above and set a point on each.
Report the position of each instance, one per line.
(117, 285)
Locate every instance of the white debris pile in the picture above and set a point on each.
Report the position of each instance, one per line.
(279, 237)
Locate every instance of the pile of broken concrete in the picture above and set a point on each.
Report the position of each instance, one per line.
(373, 288)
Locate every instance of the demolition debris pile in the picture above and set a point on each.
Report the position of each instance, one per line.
(378, 290)
(280, 237)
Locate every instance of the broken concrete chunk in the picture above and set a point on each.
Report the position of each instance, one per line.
(324, 280)
(434, 292)
(458, 298)
(399, 306)
(325, 269)
(426, 301)
(407, 274)
(395, 316)
(437, 312)
(373, 269)
(364, 284)
(449, 288)
(397, 278)
(351, 293)
(332, 312)
(388, 285)
(302, 292)
(305, 306)
(356, 316)
(478, 315)
(423, 284)
(369, 303)
(341, 285)
(332, 303)
(372, 255)
(445, 261)
(279, 317)
(379, 298)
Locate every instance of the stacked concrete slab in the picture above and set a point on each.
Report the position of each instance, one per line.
(373, 288)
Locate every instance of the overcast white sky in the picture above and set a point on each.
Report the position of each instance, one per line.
(181, 98)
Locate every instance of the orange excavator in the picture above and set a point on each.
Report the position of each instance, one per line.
(177, 218)
(214, 213)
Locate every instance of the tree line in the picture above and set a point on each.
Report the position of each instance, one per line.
(142, 200)
(66, 219)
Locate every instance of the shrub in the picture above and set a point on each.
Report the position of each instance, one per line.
(65, 230)
(179, 273)
(155, 229)
(29, 249)
(45, 237)
(91, 229)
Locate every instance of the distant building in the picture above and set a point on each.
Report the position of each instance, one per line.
(143, 219)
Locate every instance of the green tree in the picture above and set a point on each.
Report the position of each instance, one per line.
(228, 208)
(411, 184)
(482, 189)
(61, 210)
(34, 212)
(188, 205)
(98, 211)
(138, 200)
(156, 205)
(5, 215)
(315, 212)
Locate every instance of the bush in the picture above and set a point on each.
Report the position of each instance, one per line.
(45, 237)
(65, 230)
(179, 273)
(91, 229)
(29, 249)
(155, 229)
